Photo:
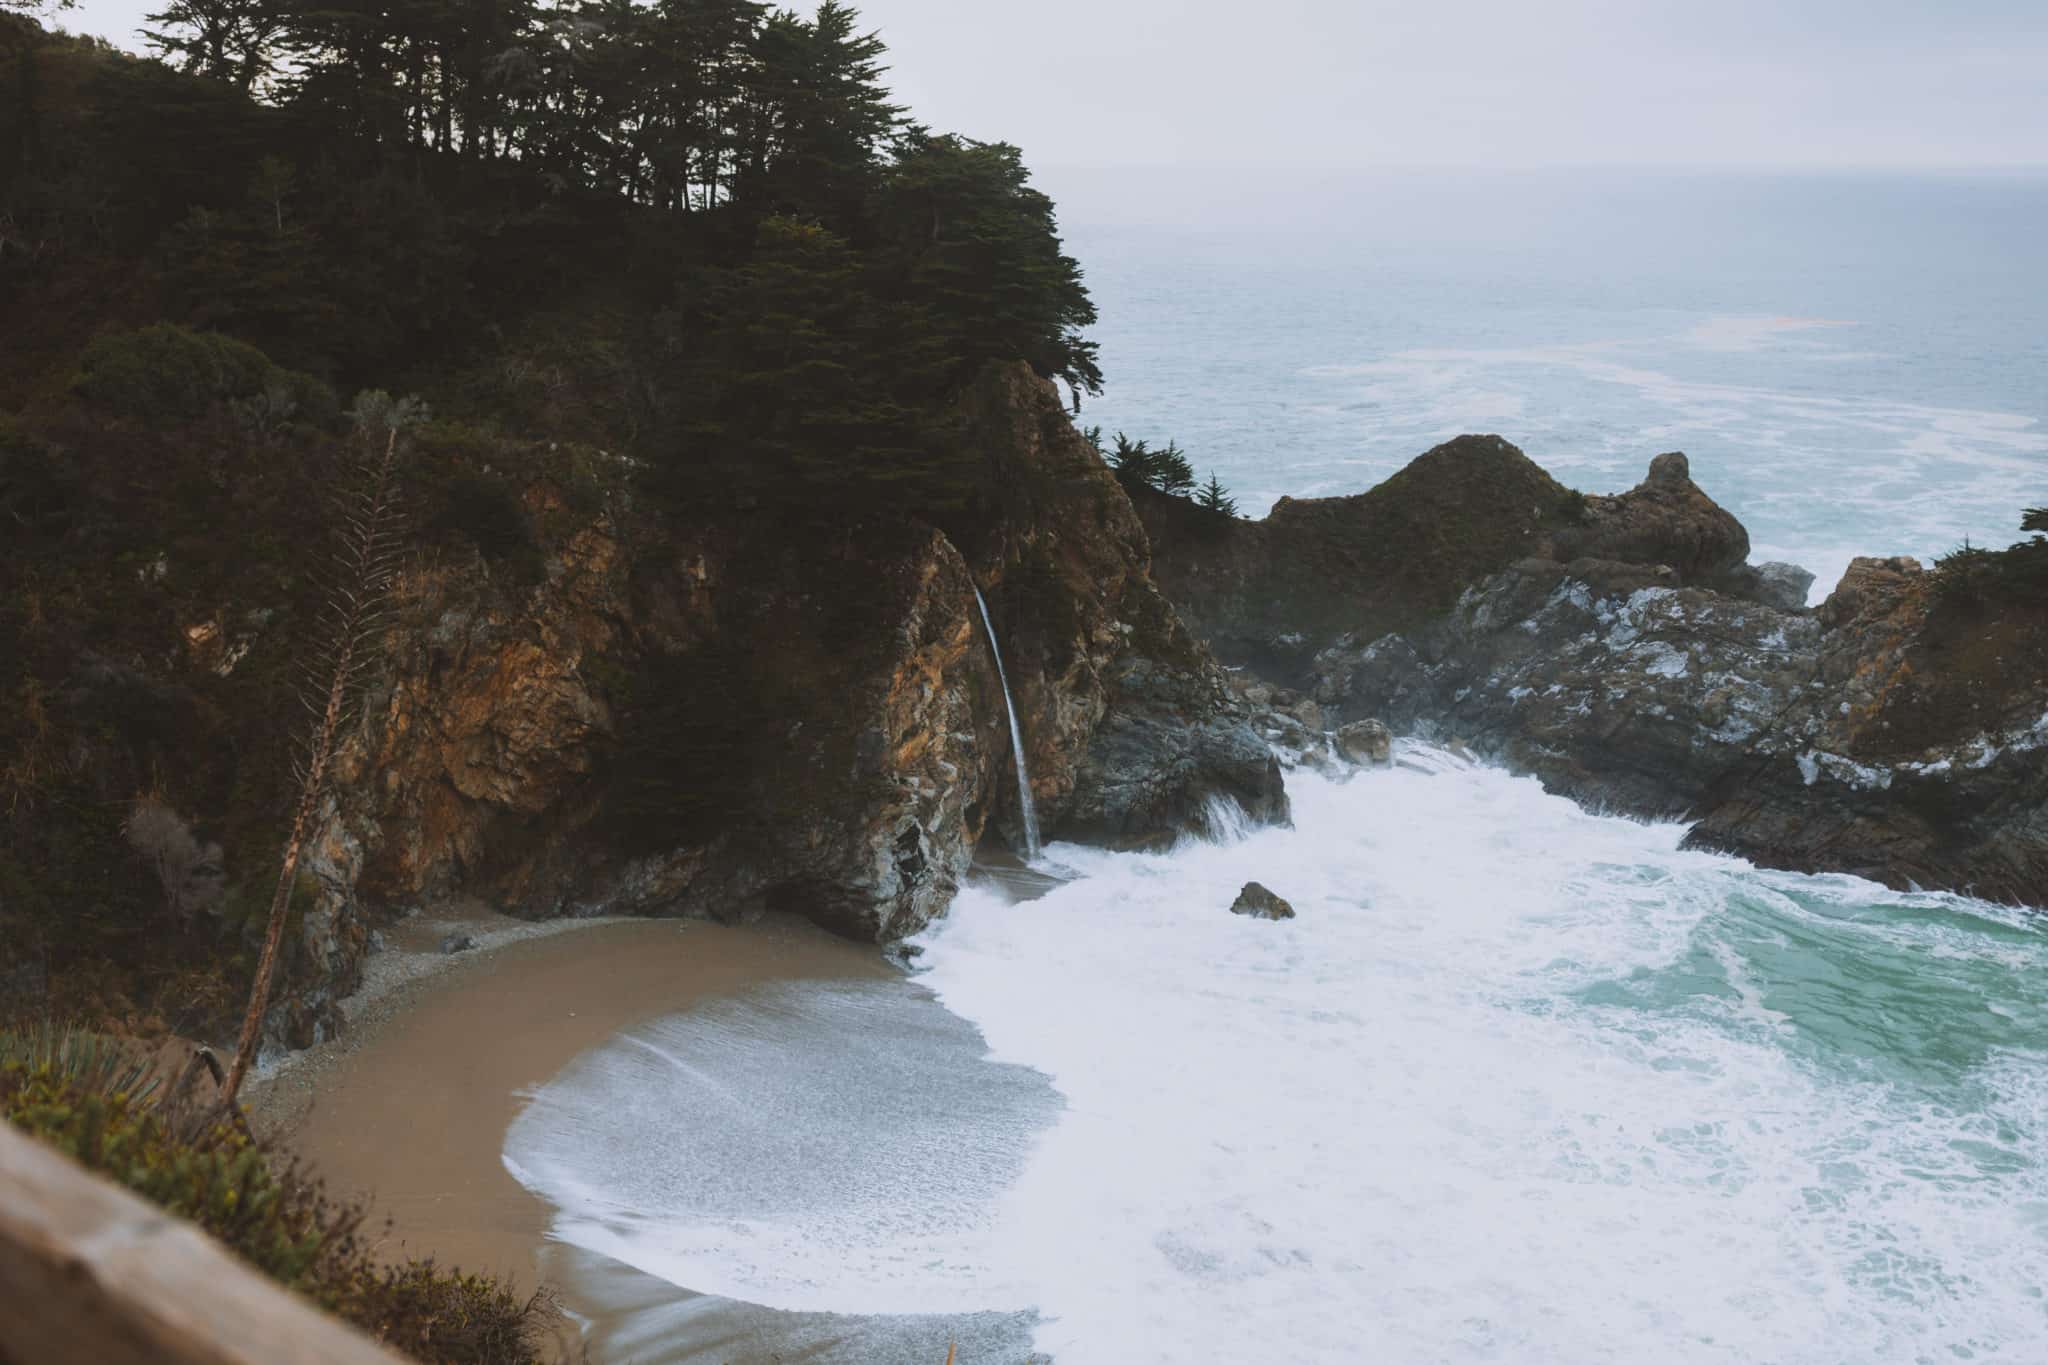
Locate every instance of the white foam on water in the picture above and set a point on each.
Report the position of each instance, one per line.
(1519, 1084)
(1747, 333)
(1903, 476)
(1425, 1122)
(837, 1147)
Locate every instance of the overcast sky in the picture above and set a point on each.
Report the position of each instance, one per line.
(1360, 83)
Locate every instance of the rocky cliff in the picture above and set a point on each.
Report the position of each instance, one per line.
(1623, 651)
(1274, 593)
(708, 719)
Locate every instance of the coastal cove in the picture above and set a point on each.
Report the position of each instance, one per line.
(461, 1049)
(664, 703)
(1645, 1083)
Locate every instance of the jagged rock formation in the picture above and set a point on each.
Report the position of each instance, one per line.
(1622, 650)
(709, 720)
(1654, 673)
(1922, 757)
(1273, 594)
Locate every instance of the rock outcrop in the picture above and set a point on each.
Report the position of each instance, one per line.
(1666, 519)
(1880, 735)
(1367, 742)
(1622, 650)
(1271, 595)
(1256, 902)
(710, 720)
(1129, 727)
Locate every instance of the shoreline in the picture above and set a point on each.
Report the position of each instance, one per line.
(408, 1110)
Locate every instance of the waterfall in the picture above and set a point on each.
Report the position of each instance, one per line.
(1024, 801)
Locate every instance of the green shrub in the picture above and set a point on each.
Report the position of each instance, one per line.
(487, 513)
(92, 1061)
(1972, 577)
(73, 1092)
(38, 486)
(170, 373)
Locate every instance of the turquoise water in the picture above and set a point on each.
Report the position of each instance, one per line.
(1857, 365)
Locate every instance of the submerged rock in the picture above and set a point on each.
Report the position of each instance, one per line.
(457, 943)
(1257, 902)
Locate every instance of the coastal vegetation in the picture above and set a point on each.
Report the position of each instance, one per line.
(1972, 579)
(689, 254)
(102, 1103)
(1141, 467)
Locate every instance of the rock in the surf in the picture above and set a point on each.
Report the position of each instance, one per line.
(1367, 742)
(1256, 902)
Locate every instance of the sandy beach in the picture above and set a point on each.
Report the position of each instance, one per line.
(409, 1109)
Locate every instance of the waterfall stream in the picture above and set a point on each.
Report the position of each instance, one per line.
(1025, 804)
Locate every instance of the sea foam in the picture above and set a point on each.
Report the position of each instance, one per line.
(1519, 1084)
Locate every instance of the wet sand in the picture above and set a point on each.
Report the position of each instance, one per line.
(410, 1108)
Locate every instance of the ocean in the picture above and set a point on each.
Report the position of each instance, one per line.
(1521, 1083)
(1856, 364)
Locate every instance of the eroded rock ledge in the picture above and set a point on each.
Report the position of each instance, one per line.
(1622, 650)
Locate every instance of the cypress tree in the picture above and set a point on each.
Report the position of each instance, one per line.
(1215, 497)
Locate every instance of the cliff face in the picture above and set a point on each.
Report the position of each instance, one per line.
(1128, 726)
(708, 720)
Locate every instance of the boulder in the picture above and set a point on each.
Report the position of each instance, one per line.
(1256, 902)
(1870, 587)
(1775, 584)
(1666, 519)
(1367, 742)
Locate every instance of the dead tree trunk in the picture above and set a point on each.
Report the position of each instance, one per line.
(355, 604)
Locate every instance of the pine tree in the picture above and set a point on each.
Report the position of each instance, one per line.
(824, 119)
(234, 41)
(1215, 497)
(1173, 475)
(972, 241)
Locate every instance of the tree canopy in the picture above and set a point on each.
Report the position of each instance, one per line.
(798, 278)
